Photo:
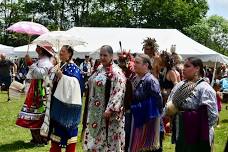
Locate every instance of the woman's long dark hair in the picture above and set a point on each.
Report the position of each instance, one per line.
(196, 62)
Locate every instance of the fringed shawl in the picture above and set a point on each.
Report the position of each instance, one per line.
(65, 107)
(66, 102)
(146, 126)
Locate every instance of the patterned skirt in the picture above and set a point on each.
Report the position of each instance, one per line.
(33, 111)
(64, 119)
(146, 137)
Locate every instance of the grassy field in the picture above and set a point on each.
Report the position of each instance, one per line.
(16, 139)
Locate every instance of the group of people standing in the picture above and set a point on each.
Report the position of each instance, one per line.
(126, 103)
(53, 114)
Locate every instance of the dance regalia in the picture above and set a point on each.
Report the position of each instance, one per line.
(102, 135)
(61, 123)
(197, 113)
(33, 110)
(146, 109)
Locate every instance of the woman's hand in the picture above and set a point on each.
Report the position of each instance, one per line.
(28, 60)
(59, 74)
(107, 114)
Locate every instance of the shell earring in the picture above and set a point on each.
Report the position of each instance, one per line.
(196, 75)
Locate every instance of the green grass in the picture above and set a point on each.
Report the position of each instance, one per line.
(16, 139)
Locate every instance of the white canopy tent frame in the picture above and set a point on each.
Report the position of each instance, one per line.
(132, 38)
(6, 49)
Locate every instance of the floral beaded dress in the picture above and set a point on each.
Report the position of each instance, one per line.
(103, 135)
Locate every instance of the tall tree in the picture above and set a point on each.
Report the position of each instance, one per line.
(201, 32)
(219, 37)
(57, 14)
(46, 12)
(10, 13)
(172, 13)
(211, 32)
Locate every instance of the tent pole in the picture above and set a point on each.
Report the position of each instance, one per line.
(214, 72)
(28, 43)
(120, 46)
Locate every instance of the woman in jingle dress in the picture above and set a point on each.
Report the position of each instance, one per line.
(105, 120)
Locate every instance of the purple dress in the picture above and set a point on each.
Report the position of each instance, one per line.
(146, 109)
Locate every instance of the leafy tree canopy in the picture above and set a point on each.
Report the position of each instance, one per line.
(185, 15)
(211, 32)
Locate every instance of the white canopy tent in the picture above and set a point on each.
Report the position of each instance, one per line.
(21, 51)
(132, 38)
(6, 49)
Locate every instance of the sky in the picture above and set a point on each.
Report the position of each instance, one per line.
(218, 7)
